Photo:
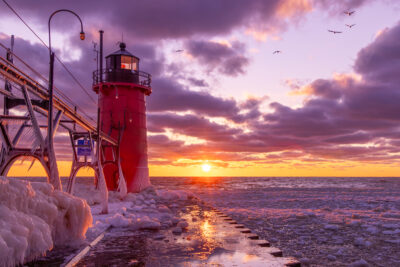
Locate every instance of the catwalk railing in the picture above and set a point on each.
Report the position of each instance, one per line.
(13, 74)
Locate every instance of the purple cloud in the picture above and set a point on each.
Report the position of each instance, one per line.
(228, 60)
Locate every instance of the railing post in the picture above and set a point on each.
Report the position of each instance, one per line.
(101, 55)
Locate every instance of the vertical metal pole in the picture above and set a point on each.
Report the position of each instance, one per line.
(54, 175)
(75, 109)
(50, 111)
(101, 55)
(12, 48)
(10, 58)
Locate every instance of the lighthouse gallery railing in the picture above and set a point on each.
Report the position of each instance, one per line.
(128, 76)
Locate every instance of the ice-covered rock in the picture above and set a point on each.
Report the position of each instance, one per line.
(331, 257)
(372, 230)
(340, 252)
(130, 197)
(174, 194)
(159, 237)
(355, 223)
(34, 217)
(390, 232)
(183, 224)
(305, 261)
(118, 220)
(175, 220)
(331, 227)
(390, 226)
(359, 263)
(163, 208)
(177, 230)
(148, 223)
(361, 242)
(393, 241)
(391, 215)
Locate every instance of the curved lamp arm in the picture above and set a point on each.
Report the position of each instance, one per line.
(82, 33)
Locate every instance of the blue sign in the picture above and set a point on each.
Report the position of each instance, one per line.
(84, 148)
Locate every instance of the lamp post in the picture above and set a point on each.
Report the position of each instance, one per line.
(52, 159)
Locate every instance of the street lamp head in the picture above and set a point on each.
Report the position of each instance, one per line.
(82, 35)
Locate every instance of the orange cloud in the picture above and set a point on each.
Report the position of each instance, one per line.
(292, 8)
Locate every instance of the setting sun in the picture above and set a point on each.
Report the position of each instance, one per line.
(206, 167)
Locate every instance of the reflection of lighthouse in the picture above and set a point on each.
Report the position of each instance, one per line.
(122, 89)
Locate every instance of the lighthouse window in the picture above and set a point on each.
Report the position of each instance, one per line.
(135, 64)
(126, 62)
(109, 64)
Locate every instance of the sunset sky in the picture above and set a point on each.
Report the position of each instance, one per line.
(328, 105)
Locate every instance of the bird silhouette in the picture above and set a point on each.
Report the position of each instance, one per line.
(350, 25)
(349, 12)
(179, 51)
(334, 32)
(277, 52)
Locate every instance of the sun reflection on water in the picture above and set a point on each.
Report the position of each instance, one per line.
(207, 230)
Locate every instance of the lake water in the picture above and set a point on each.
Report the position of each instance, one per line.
(324, 221)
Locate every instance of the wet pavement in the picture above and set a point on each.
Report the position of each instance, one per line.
(211, 239)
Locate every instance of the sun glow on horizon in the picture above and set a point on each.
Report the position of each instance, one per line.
(206, 167)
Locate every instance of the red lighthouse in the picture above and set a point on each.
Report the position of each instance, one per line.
(122, 89)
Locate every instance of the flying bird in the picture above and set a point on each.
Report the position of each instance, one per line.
(277, 52)
(334, 32)
(349, 12)
(179, 51)
(350, 25)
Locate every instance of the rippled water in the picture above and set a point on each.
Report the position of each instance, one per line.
(250, 183)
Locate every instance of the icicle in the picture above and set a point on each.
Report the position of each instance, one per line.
(92, 154)
(103, 189)
(54, 175)
(123, 190)
(33, 161)
(121, 184)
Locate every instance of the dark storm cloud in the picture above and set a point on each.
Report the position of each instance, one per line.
(156, 19)
(380, 61)
(172, 96)
(228, 60)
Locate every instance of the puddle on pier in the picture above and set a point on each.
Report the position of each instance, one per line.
(210, 240)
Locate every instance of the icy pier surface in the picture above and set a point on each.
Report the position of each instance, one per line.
(203, 237)
(162, 227)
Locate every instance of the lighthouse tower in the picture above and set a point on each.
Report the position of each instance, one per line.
(122, 89)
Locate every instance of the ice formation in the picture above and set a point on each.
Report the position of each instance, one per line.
(35, 217)
(145, 210)
(103, 190)
(123, 190)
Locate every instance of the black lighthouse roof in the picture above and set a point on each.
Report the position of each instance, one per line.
(122, 51)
